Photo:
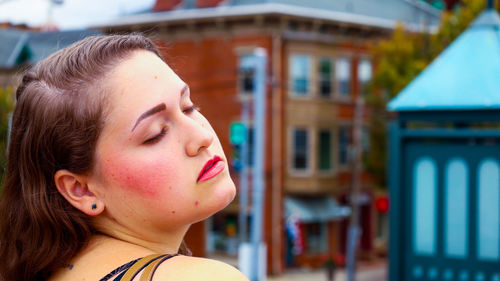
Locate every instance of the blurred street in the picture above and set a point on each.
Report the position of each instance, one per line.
(376, 271)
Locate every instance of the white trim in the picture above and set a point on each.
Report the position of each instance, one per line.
(257, 9)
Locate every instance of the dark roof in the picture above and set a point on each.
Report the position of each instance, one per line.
(379, 13)
(19, 47)
(463, 77)
(11, 47)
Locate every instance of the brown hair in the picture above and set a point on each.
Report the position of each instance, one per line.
(59, 113)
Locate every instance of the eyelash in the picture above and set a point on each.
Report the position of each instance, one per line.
(158, 137)
(191, 109)
(163, 131)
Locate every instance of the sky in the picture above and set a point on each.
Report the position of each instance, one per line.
(71, 14)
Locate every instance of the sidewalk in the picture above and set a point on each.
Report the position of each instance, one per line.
(374, 274)
(367, 271)
(374, 271)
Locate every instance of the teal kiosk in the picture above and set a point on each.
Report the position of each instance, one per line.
(444, 164)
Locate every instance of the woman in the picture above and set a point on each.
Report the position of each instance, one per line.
(109, 161)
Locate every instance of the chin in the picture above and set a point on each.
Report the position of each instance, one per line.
(225, 194)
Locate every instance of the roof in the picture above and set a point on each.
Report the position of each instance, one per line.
(20, 47)
(314, 209)
(11, 47)
(463, 77)
(381, 13)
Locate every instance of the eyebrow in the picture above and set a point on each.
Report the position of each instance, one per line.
(156, 109)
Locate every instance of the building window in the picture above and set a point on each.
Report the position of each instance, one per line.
(344, 141)
(300, 74)
(343, 74)
(456, 221)
(364, 76)
(325, 151)
(300, 149)
(325, 71)
(488, 194)
(246, 75)
(316, 237)
(424, 206)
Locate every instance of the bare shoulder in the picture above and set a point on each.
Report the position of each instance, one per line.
(193, 268)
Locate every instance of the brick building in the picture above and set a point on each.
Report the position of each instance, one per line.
(318, 62)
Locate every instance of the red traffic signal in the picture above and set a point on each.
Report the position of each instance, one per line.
(382, 204)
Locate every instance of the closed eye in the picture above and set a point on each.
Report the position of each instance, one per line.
(191, 109)
(158, 137)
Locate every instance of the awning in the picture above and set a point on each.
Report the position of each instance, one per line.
(317, 209)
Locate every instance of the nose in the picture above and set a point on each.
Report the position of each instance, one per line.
(198, 136)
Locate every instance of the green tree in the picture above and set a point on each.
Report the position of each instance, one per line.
(399, 60)
(6, 107)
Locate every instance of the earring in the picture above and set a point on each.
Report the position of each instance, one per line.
(94, 206)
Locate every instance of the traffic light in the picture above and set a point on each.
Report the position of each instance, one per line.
(238, 135)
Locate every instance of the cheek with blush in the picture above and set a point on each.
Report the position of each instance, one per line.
(150, 177)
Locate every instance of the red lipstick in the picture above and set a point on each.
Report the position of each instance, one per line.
(212, 168)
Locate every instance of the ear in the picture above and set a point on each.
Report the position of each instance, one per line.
(75, 189)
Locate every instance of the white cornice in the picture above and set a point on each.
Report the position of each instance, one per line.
(177, 16)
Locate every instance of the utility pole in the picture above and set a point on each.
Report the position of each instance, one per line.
(258, 260)
(242, 220)
(354, 229)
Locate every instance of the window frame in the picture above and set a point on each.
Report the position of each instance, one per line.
(310, 78)
(319, 77)
(332, 169)
(338, 94)
(349, 127)
(291, 151)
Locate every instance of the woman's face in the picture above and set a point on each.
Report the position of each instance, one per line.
(154, 150)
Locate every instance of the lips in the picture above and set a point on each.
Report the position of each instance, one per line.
(212, 168)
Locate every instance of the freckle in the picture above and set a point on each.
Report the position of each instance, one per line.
(170, 187)
(173, 212)
(156, 77)
(196, 203)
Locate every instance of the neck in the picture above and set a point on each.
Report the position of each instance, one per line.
(164, 242)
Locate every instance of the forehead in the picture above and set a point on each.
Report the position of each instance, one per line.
(140, 74)
(138, 83)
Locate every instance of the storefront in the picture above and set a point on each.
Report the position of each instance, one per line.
(312, 230)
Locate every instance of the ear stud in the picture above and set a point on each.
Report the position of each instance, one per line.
(94, 206)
